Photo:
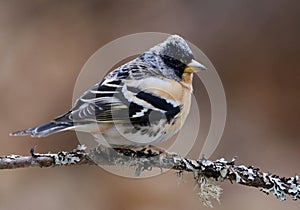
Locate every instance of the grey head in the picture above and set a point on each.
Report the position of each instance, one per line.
(172, 58)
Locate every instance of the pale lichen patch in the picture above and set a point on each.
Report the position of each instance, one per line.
(208, 190)
(281, 186)
(65, 158)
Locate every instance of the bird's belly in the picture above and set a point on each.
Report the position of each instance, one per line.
(122, 135)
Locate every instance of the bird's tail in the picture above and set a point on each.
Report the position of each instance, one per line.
(45, 129)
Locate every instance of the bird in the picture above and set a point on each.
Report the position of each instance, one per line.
(142, 102)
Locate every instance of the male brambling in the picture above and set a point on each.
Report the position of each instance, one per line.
(142, 102)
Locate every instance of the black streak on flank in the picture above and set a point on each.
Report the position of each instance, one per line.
(149, 118)
(171, 114)
(134, 108)
(160, 103)
(155, 101)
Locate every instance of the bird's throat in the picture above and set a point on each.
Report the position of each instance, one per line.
(187, 80)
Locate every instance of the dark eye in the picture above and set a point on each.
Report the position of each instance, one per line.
(175, 64)
(172, 62)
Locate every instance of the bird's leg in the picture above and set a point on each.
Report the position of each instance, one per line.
(32, 152)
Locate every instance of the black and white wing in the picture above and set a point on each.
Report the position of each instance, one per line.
(118, 99)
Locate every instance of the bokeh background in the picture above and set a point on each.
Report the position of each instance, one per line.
(254, 46)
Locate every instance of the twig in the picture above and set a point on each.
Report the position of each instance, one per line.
(218, 170)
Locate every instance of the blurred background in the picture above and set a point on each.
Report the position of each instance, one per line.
(254, 46)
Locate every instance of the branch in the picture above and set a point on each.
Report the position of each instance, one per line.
(203, 170)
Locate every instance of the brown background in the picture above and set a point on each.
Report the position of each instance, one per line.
(254, 45)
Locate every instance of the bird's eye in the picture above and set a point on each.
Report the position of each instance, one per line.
(175, 64)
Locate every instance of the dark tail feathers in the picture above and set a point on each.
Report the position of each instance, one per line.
(45, 129)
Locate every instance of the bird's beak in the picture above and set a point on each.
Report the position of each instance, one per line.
(194, 66)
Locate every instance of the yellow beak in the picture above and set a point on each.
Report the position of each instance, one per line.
(194, 67)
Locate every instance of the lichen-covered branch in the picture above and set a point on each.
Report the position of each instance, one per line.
(202, 169)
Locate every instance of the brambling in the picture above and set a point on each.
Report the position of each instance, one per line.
(142, 102)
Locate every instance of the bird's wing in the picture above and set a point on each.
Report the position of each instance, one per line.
(122, 98)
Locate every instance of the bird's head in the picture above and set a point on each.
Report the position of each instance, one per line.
(174, 58)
